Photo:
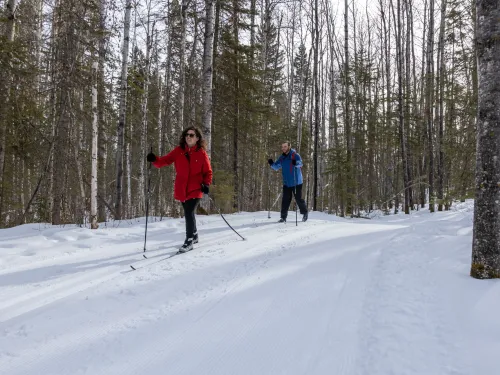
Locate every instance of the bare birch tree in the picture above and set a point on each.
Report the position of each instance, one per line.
(429, 102)
(316, 104)
(440, 85)
(95, 129)
(182, 65)
(208, 52)
(150, 28)
(347, 119)
(122, 113)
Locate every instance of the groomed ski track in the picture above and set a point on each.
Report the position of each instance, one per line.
(330, 296)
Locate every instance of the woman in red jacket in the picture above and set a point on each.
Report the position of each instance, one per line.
(193, 177)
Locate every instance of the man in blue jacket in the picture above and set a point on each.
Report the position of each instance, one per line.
(290, 163)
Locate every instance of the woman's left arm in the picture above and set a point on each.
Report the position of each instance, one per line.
(206, 170)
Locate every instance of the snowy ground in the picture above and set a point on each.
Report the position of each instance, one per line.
(387, 296)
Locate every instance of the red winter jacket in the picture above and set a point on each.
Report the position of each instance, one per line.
(192, 168)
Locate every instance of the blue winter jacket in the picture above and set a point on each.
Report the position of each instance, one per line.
(287, 168)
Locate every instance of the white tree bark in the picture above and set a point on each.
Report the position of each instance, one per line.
(486, 235)
(440, 84)
(304, 78)
(347, 118)
(316, 104)
(102, 145)
(128, 174)
(182, 65)
(208, 46)
(290, 34)
(429, 105)
(144, 130)
(95, 124)
(79, 145)
(39, 43)
(161, 102)
(122, 112)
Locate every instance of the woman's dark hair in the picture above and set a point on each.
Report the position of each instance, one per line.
(201, 142)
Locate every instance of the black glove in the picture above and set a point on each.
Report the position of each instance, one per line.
(204, 189)
(270, 161)
(151, 157)
(294, 162)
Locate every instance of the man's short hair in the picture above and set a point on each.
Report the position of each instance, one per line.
(288, 143)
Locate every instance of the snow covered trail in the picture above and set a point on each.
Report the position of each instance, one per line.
(331, 296)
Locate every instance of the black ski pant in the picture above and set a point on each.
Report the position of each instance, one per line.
(189, 213)
(287, 199)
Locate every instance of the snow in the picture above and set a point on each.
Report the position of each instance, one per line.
(391, 295)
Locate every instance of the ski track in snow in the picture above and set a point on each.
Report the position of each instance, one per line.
(331, 296)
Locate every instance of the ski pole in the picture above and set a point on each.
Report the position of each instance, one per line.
(229, 225)
(147, 206)
(295, 194)
(269, 196)
(269, 192)
(276, 201)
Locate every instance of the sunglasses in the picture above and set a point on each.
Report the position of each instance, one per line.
(191, 135)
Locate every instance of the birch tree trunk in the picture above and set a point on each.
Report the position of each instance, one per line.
(430, 103)
(386, 21)
(407, 98)
(421, 124)
(217, 22)
(122, 113)
(316, 104)
(440, 84)
(323, 143)
(304, 78)
(78, 145)
(182, 66)
(401, 114)
(371, 128)
(291, 75)
(102, 138)
(52, 103)
(95, 131)
(168, 130)
(347, 124)
(208, 46)
(144, 129)
(98, 123)
(21, 183)
(334, 131)
(161, 103)
(486, 234)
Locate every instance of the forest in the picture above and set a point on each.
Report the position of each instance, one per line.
(379, 99)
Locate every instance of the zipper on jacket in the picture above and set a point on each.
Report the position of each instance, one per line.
(188, 157)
